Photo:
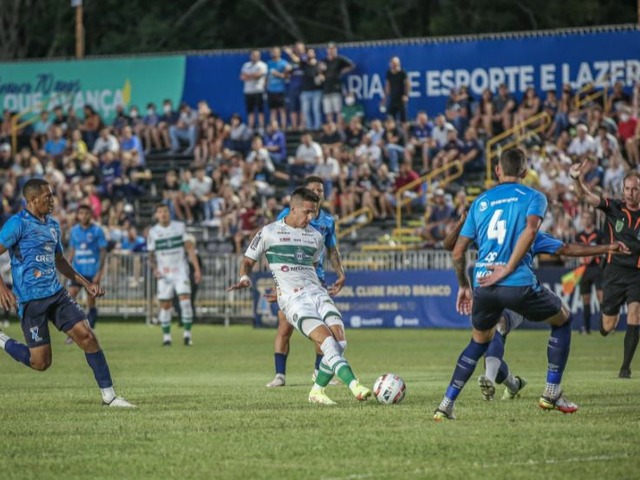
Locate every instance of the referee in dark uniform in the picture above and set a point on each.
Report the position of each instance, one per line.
(622, 273)
(593, 271)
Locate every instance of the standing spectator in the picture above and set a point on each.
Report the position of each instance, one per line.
(254, 75)
(168, 118)
(503, 107)
(298, 56)
(308, 155)
(311, 95)
(396, 90)
(278, 69)
(275, 143)
(333, 67)
(184, 129)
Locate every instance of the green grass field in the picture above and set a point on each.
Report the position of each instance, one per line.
(204, 412)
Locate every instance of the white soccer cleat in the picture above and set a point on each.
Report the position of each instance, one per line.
(278, 381)
(119, 402)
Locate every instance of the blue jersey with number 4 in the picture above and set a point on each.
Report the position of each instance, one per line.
(326, 225)
(86, 244)
(32, 246)
(495, 221)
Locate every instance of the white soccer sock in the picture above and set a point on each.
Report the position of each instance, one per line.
(331, 350)
(164, 317)
(3, 339)
(343, 346)
(108, 394)
(492, 365)
(186, 311)
(512, 383)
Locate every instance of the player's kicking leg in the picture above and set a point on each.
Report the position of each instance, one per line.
(69, 318)
(281, 350)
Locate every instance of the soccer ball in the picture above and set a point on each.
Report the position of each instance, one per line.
(389, 389)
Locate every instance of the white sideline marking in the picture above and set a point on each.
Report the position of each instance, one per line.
(420, 471)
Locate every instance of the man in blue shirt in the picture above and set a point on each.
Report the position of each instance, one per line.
(503, 222)
(277, 71)
(325, 224)
(88, 247)
(32, 238)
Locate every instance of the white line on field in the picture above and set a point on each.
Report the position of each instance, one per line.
(552, 461)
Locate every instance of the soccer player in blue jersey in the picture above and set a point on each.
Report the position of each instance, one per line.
(503, 222)
(325, 224)
(88, 248)
(32, 238)
(496, 369)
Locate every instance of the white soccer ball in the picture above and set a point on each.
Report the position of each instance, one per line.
(389, 389)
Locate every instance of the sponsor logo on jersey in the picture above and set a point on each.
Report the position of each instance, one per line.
(256, 241)
(483, 206)
(48, 247)
(284, 268)
(47, 258)
(285, 239)
(619, 225)
(35, 334)
(54, 234)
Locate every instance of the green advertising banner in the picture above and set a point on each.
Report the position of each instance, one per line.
(102, 83)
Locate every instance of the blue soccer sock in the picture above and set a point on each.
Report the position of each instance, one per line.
(464, 368)
(557, 356)
(18, 351)
(92, 316)
(98, 364)
(281, 363)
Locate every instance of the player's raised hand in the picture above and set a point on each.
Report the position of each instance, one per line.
(337, 286)
(619, 248)
(7, 298)
(95, 290)
(464, 302)
(498, 272)
(576, 170)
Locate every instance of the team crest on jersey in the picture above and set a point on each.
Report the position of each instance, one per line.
(300, 255)
(619, 225)
(483, 206)
(54, 234)
(89, 237)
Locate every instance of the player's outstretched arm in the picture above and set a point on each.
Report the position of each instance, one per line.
(523, 245)
(336, 263)
(245, 269)
(7, 298)
(582, 250)
(450, 240)
(65, 268)
(582, 191)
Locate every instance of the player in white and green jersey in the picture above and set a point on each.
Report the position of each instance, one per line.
(293, 248)
(168, 247)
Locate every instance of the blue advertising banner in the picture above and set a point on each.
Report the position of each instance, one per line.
(543, 61)
(410, 299)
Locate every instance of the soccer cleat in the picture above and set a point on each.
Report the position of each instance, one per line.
(487, 388)
(278, 381)
(512, 394)
(317, 395)
(119, 402)
(166, 343)
(560, 403)
(333, 381)
(188, 341)
(624, 373)
(360, 391)
(68, 341)
(440, 414)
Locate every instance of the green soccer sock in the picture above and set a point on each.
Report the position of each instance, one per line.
(166, 328)
(324, 375)
(344, 372)
(186, 326)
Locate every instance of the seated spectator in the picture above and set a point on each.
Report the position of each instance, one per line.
(550, 103)
(354, 133)
(168, 119)
(565, 107)
(413, 196)
(439, 138)
(147, 130)
(131, 143)
(328, 169)
(55, 146)
(483, 116)
(11, 202)
(275, 143)
(351, 109)
(239, 135)
(419, 136)
(184, 130)
(582, 145)
(60, 119)
(457, 109)
(330, 136)
(73, 122)
(617, 100)
(367, 191)
(629, 134)
(529, 106)
(614, 176)
(79, 151)
(593, 173)
(172, 195)
(308, 155)
(449, 152)
(6, 159)
(393, 143)
(368, 152)
(385, 187)
(262, 166)
(503, 108)
(248, 225)
(376, 131)
(439, 218)
(106, 142)
(91, 125)
(472, 152)
(110, 175)
(200, 186)
(135, 177)
(40, 130)
(121, 120)
(606, 143)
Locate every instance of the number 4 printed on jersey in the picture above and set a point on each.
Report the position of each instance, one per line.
(497, 228)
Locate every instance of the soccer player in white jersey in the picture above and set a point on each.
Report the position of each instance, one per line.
(169, 245)
(292, 248)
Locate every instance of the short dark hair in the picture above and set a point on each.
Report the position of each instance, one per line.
(84, 207)
(631, 174)
(159, 206)
(312, 179)
(33, 188)
(512, 162)
(305, 195)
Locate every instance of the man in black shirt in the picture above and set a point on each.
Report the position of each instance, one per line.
(593, 271)
(334, 67)
(396, 89)
(622, 273)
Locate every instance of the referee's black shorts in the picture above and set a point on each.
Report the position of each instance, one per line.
(592, 276)
(621, 285)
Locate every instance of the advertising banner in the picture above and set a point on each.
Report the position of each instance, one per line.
(412, 299)
(101, 83)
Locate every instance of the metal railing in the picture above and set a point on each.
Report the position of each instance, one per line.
(131, 288)
(350, 223)
(512, 137)
(449, 176)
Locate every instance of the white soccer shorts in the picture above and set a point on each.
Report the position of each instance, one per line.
(309, 309)
(176, 283)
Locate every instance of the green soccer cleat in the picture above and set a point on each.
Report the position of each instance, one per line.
(560, 403)
(487, 388)
(513, 394)
(317, 395)
(360, 391)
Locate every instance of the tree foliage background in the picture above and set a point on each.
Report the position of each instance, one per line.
(46, 28)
